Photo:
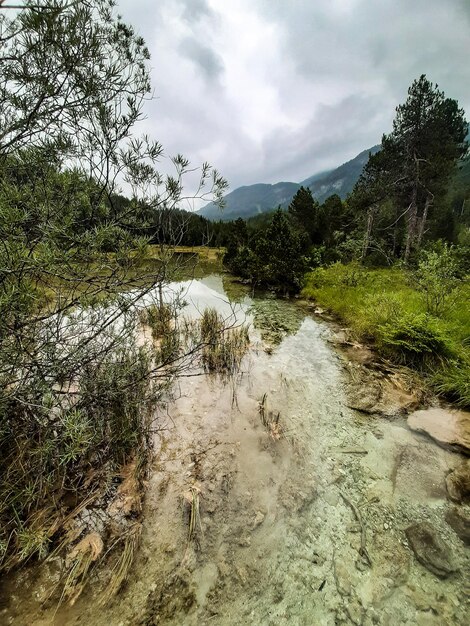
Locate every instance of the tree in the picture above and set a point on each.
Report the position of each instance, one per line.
(272, 257)
(77, 390)
(407, 179)
(304, 210)
(333, 220)
(428, 134)
(370, 201)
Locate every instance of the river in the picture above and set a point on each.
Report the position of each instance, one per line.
(302, 519)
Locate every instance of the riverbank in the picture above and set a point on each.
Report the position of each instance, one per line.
(304, 509)
(384, 308)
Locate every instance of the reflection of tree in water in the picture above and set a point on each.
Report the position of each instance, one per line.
(234, 290)
(276, 318)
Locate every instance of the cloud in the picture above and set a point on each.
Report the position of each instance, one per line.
(207, 60)
(195, 10)
(269, 90)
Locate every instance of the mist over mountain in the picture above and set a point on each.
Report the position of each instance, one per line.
(252, 200)
(340, 180)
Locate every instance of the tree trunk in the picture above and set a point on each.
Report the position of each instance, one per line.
(424, 217)
(412, 216)
(370, 222)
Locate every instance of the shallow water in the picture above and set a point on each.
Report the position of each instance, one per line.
(278, 540)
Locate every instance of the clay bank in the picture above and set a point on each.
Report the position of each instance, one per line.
(313, 489)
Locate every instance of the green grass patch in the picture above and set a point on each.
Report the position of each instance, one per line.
(386, 308)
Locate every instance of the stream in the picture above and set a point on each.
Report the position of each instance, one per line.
(301, 524)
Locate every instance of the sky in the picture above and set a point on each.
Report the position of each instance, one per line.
(277, 90)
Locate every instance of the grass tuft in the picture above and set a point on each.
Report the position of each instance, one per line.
(224, 348)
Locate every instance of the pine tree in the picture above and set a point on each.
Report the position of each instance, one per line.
(428, 134)
(401, 183)
(304, 209)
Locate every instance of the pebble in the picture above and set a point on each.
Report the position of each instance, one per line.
(386, 526)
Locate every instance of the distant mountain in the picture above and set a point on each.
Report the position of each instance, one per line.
(251, 200)
(254, 199)
(341, 180)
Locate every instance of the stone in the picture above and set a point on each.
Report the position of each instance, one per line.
(355, 612)
(342, 577)
(259, 519)
(459, 521)
(449, 428)
(390, 568)
(430, 550)
(374, 393)
(458, 482)
(331, 498)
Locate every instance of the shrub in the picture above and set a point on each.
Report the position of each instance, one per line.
(454, 381)
(415, 339)
(436, 278)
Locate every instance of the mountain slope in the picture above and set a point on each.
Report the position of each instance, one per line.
(254, 199)
(251, 200)
(341, 180)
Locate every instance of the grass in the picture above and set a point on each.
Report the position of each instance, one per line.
(269, 419)
(223, 348)
(60, 453)
(385, 307)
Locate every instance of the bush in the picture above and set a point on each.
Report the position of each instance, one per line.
(436, 278)
(51, 441)
(415, 339)
(454, 381)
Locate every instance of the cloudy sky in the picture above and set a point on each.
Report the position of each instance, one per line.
(270, 90)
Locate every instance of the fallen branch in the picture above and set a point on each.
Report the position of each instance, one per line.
(362, 550)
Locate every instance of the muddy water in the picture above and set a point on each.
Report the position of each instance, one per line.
(278, 539)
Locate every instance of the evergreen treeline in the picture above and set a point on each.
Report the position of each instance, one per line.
(414, 191)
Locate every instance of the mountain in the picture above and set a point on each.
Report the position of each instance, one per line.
(254, 199)
(251, 200)
(341, 180)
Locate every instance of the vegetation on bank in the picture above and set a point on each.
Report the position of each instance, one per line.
(412, 319)
(78, 390)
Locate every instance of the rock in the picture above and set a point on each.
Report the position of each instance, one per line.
(338, 338)
(364, 398)
(224, 569)
(430, 550)
(242, 574)
(244, 541)
(331, 498)
(355, 612)
(342, 577)
(390, 568)
(259, 519)
(458, 482)
(449, 428)
(459, 521)
(385, 395)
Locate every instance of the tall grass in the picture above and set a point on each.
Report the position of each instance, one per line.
(223, 348)
(385, 307)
